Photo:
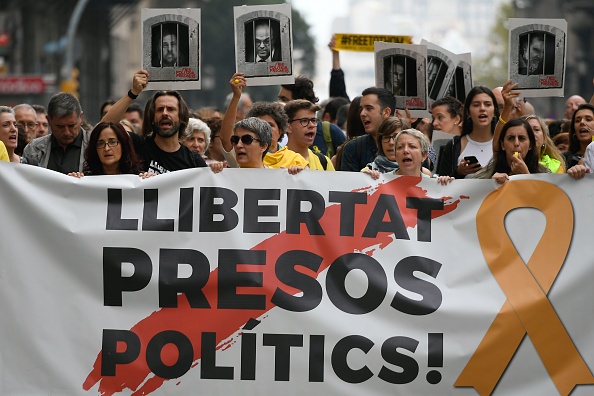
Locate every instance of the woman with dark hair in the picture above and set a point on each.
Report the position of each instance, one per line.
(581, 131)
(549, 155)
(386, 154)
(447, 113)
(519, 153)
(465, 155)
(110, 152)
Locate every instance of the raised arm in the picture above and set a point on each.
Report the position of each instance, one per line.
(509, 99)
(337, 85)
(237, 83)
(117, 111)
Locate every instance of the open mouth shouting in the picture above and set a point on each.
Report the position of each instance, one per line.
(484, 118)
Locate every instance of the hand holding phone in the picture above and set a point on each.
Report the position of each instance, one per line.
(471, 160)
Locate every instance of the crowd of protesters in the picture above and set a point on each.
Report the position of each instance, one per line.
(493, 134)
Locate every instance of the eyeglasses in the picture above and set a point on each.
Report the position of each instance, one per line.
(110, 142)
(389, 138)
(245, 139)
(305, 121)
(29, 125)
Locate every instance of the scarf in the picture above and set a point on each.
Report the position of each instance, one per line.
(383, 164)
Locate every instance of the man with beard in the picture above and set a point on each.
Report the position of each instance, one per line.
(532, 55)
(168, 50)
(164, 121)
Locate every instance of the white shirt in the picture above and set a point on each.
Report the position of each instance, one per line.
(589, 157)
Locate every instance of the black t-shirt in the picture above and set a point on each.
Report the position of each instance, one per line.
(158, 161)
(65, 161)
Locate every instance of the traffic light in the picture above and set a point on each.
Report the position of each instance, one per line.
(5, 44)
(71, 85)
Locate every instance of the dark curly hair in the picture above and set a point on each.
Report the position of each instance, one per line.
(454, 106)
(130, 163)
(302, 89)
(274, 110)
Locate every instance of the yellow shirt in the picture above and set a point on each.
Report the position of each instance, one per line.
(284, 158)
(3, 153)
(315, 164)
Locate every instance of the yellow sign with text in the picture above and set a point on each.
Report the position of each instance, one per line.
(364, 42)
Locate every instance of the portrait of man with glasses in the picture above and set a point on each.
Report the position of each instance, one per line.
(27, 118)
(302, 132)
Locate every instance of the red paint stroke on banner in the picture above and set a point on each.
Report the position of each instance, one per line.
(193, 322)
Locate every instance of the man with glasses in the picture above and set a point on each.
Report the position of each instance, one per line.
(42, 124)
(63, 149)
(302, 131)
(303, 89)
(27, 118)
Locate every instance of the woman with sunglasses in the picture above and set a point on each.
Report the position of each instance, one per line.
(273, 115)
(110, 152)
(250, 140)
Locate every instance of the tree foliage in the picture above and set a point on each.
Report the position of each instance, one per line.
(492, 70)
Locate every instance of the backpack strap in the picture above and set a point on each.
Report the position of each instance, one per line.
(328, 139)
(323, 159)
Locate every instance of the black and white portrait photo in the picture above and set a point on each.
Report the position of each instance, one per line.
(263, 44)
(402, 69)
(436, 71)
(171, 47)
(461, 81)
(441, 66)
(537, 53)
(537, 49)
(262, 41)
(400, 75)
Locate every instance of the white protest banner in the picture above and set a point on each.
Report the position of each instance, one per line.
(259, 282)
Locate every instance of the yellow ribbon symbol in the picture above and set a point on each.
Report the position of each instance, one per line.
(527, 309)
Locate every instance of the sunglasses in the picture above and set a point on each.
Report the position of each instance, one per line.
(245, 139)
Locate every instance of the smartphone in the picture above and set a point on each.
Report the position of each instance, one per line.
(471, 160)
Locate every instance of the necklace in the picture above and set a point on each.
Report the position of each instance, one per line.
(482, 145)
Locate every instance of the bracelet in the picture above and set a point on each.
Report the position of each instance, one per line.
(502, 121)
(131, 95)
